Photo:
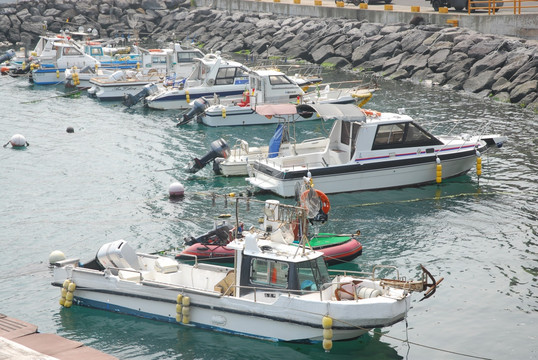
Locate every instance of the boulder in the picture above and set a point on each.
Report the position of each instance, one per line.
(5, 23)
(484, 48)
(414, 62)
(501, 85)
(338, 62)
(513, 63)
(438, 59)
(361, 54)
(492, 61)
(522, 90)
(413, 39)
(322, 53)
(482, 81)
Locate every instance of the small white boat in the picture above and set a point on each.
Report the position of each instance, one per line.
(275, 291)
(166, 67)
(368, 150)
(212, 75)
(267, 87)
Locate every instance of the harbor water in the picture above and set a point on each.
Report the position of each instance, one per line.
(109, 180)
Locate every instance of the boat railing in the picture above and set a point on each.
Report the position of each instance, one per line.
(289, 292)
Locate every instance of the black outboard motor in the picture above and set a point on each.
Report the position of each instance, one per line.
(219, 148)
(130, 100)
(7, 56)
(198, 107)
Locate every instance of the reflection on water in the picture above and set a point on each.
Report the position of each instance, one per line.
(108, 181)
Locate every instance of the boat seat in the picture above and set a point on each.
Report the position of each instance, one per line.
(226, 285)
(130, 275)
(166, 265)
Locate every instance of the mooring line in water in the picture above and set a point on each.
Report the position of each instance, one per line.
(429, 199)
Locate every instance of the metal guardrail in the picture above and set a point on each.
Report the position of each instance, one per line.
(493, 6)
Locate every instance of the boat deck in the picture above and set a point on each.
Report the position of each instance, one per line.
(21, 340)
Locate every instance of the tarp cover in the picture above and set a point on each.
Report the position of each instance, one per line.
(276, 109)
(346, 112)
(274, 143)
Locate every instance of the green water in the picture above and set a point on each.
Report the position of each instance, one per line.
(105, 182)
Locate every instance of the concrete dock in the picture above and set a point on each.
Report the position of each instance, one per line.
(21, 340)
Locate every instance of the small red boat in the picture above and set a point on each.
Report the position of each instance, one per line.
(336, 249)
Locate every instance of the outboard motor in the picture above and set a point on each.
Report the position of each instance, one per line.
(7, 56)
(198, 107)
(219, 148)
(130, 100)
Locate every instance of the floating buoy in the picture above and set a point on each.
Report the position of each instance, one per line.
(187, 96)
(179, 313)
(327, 324)
(478, 164)
(68, 288)
(186, 309)
(439, 171)
(56, 256)
(17, 141)
(224, 112)
(70, 129)
(57, 74)
(176, 189)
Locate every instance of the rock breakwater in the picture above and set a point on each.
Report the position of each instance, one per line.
(505, 69)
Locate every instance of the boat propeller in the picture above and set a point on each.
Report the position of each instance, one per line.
(198, 107)
(130, 100)
(218, 148)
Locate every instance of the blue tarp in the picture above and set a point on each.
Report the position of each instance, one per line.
(274, 143)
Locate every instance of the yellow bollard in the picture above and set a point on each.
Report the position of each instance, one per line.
(363, 6)
(296, 1)
(318, 2)
(415, 8)
(443, 10)
(340, 4)
(389, 7)
(453, 22)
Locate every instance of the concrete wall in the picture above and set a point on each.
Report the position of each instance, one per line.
(523, 26)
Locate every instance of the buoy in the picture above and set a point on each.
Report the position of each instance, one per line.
(478, 164)
(439, 171)
(68, 288)
(17, 141)
(70, 129)
(57, 74)
(224, 112)
(176, 189)
(186, 309)
(187, 96)
(56, 256)
(179, 308)
(327, 324)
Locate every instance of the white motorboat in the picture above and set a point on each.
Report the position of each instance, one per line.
(275, 291)
(368, 150)
(212, 75)
(166, 67)
(266, 87)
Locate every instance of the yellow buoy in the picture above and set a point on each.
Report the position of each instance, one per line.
(224, 113)
(478, 166)
(71, 287)
(57, 74)
(186, 301)
(137, 65)
(69, 296)
(66, 284)
(187, 96)
(439, 171)
(327, 324)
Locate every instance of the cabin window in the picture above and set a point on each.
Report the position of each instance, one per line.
(158, 59)
(225, 76)
(279, 80)
(183, 57)
(96, 51)
(269, 273)
(312, 274)
(402, 135)
(345, 132)
(69, 51)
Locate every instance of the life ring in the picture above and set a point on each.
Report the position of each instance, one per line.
(371, 112)
(325, 204)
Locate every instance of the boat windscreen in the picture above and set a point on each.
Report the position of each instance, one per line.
(345, 112)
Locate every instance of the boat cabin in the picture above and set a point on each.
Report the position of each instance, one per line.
(271, 86)
(212, 69)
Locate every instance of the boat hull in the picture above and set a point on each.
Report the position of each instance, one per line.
(261, 315)
(361, 176)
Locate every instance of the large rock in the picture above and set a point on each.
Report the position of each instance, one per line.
(494, 60)
(337, 61)
(523, 90)
(482, 81)
(361, 54)
(513, 63)
(484, 48)
(438, 59)
(5, 23)
(413, 39)
(414, 63)
(324, 52)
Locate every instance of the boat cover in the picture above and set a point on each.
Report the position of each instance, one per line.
(276, 109)
(345, 112)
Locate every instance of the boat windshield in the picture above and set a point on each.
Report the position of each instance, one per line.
(399, 135)
(313, 274)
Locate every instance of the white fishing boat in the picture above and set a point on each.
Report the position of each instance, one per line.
(275, 291)
(167, 67)
(266, 87)
(368, 150)
(212, 75)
